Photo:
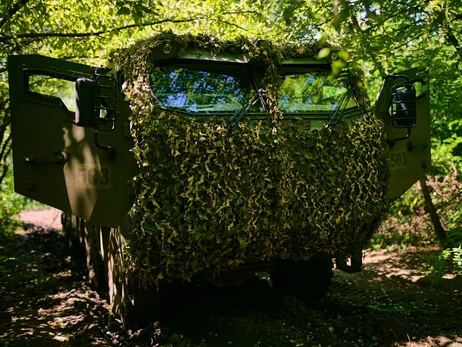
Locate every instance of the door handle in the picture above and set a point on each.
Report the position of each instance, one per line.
(57, 158)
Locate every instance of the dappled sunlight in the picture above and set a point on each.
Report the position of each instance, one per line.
(44, 301)
(401, 298)
(61, 316)
(61, 338)
(411, 294)
(389, 271)
(49, 220)
(439, 341)
(408, 265)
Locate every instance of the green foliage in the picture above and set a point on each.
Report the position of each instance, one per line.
(5, 266)
(446, 152)
(456, 254)
(439, 264)
(10, 205)
(385, 305)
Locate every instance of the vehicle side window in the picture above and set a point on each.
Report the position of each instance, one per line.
(54, 88)
(311, 92)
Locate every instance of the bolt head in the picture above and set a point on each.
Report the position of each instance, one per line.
(31, 185)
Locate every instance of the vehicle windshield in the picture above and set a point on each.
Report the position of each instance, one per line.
(213, 89)
(193, 90)
(312, 92)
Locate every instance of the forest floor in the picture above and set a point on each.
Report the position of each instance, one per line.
(401, 298)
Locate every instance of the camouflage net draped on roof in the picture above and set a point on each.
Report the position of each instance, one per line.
(210, 198)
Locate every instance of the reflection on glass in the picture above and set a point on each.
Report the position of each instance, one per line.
(311, 92)
(56, 87)
(198, 91)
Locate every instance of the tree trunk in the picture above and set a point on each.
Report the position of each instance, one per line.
(439, 230)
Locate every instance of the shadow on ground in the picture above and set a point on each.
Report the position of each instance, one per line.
(398, 300)
(44, 300)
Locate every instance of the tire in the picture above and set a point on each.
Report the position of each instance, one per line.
(94, 256)
(356, 263)
(307, 280)
(134, 306)
(101, 249)
(72, 233)
(83, 240)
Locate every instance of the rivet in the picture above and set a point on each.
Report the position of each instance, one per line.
(31, 185)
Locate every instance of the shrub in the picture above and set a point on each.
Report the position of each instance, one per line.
(11, 204)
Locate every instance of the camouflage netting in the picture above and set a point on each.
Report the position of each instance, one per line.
(210, 197)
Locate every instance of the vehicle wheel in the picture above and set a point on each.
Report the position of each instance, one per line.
(307, 280)
(93, 255)
(72, 232)
(130, 303)
(355, 266)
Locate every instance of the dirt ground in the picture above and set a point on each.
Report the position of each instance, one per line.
(403, 298)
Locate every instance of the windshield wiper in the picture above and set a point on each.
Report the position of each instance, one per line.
(342, 105)
(236, 117)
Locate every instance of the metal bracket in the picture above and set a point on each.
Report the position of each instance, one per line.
(106, 97)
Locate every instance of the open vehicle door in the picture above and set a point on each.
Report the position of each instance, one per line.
(76, 160)
(403, 104)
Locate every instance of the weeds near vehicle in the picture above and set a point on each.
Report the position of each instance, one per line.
(10, 205)
(408, 223)
(4, 264)
(455, 255)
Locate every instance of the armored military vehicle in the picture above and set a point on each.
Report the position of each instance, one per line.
(194, 159)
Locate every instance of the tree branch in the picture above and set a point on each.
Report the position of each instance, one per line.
(439, 230)
(406, 42)
(232, 24)
(355, 27)
(5, 167)
(12, 11)
(394, 15)
(95, 33)
(5, 148)
(241, 12)
(4, 121)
